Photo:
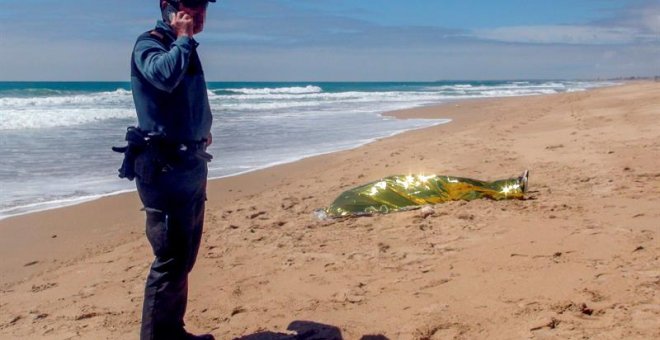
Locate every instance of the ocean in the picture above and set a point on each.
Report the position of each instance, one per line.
(55, 137)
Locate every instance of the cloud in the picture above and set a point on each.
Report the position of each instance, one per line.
(282, 40)
(281, 25)
(638, 23)
(573, 35)
(278, 25)
(643, 16)
(456, 60)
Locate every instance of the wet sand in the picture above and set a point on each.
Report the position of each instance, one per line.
(579, 258)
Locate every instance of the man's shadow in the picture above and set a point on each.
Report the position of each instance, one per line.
(306, 330)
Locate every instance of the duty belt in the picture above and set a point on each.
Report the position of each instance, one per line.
(176, 148)
(162, 151)
(183, 146)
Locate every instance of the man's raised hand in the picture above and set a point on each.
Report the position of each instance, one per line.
(183, 24)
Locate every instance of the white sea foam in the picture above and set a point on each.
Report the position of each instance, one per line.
(263, 100)
(119, 96)
(277, 90)
(18, 119)
(325, 97)
(54, 204)
(514, 88)
(321, 151)
(64, 110)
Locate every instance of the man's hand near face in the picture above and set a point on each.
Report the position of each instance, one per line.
(182, 24)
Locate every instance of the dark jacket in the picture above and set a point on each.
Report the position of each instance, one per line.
(168, 86)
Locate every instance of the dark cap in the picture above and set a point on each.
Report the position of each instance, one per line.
(194, 3)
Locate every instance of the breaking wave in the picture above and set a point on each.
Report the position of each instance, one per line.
(278, 90)
(64, 110)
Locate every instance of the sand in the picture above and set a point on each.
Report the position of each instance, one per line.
(578, 259)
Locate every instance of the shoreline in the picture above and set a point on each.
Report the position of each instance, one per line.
(22, 204)
(84, 199)
(71, 201)
(586, 240)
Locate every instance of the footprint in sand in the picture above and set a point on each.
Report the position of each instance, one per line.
(42, 287)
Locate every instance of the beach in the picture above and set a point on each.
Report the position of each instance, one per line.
(579, 258)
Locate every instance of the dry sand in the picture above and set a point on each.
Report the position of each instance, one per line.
(577, 260)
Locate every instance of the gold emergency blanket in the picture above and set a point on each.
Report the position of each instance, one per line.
(402, 192)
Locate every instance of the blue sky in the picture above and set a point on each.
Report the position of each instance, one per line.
(334, 40)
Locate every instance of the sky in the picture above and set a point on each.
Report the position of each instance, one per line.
(342, 40)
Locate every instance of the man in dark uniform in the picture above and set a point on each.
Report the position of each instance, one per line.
(170, 169)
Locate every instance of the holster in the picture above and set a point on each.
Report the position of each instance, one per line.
(134, 164)
(148, 153)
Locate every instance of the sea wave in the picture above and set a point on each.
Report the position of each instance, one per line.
(64, 110)
(48, 118)
(119, 96)
(278, 90)
(278, 101)
(32, 92)
(523, 87)
(347, 95)
(45, 108)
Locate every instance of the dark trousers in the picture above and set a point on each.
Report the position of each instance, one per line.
(174, 205)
